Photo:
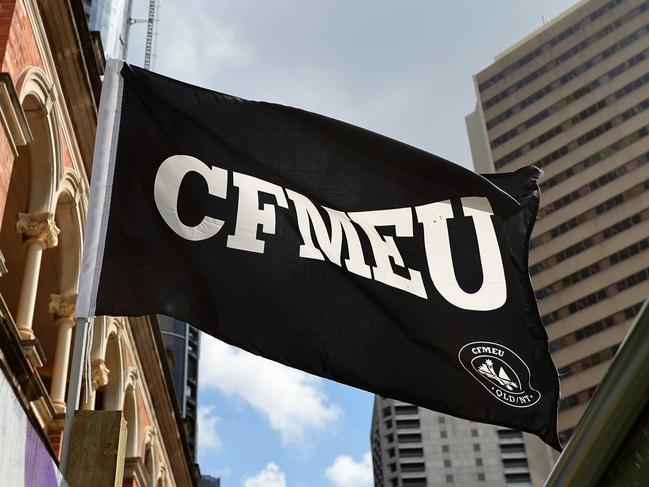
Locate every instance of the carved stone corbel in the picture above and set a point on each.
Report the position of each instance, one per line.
(99, 373)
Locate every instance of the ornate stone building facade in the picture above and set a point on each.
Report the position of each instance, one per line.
(49, 91)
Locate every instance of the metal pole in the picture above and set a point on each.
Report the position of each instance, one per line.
(74, 389)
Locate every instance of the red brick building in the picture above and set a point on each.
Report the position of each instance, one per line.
(50, 68)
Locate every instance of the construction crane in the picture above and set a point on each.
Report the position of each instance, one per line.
(151, 21)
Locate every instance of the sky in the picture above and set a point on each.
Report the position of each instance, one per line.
(400, 68)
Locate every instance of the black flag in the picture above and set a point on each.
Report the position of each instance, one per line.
(320, 245)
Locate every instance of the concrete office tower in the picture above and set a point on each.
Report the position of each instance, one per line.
(182, 343)
(416, 447)
(110, 19)
(573, 99)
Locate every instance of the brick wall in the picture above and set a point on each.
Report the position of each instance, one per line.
(6, 14)
(21, 50)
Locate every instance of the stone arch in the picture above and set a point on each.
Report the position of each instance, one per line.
(34, 175)
(132, 415)
(162, 477)
(67, 216)
(36, 95)
(149, 462)
(112, 393)
(53, 319)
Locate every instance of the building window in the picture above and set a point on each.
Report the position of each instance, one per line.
(449, 478)
(441, 420)
(390, 438)
(478, 462)
(445, 449)
(476, 447)
(409, 438)
(509, 434)
(512, 448)
(474, 433)
(391, 452)
(387, 411)
(405, 410)
(407, 423)
(447, 463)
(517, 478)
(411, 452)
(393, 467)
(414, 482)
(443, 434)
(481, 477)
(412, 467)
(514, 462)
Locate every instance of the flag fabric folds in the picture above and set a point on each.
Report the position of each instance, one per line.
(320, 245)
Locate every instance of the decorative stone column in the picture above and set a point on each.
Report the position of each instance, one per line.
(38, 232)
(62, 309)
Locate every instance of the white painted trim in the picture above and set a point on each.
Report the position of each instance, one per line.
(103, 168)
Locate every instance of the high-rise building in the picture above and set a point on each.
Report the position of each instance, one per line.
(416, 447)
(110, 18)
(182, 342)
(573, 99)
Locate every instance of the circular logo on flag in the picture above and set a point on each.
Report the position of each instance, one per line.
(501, 371)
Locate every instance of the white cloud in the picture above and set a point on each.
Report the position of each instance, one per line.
(292, 401)
(270, 476)
(345, 472)
(208, 437)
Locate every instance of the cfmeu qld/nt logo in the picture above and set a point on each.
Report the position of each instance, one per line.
(501, 372)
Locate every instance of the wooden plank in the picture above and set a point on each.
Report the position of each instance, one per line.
(98, 449)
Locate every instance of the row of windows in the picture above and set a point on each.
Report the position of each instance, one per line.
(596, 158)
(581, 140)
(566, 55)
(407, 423)
(416, 482)
(596, 297)
(406, 409)
(591, 214)
(575, 95)
(586, 189)
(589, 242)
(573, 400)
(409, 438)
(413, 467)
(509, 434)
(515, 463)
(589, 361)
(411, 452)
(569, 76)
(575, 120)
(512, 448)
(400, 410)
(596, 327)
(592, 269)
(517, 478)
(546, 46)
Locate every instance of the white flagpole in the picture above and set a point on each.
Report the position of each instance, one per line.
(103, 166)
